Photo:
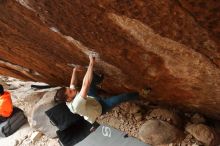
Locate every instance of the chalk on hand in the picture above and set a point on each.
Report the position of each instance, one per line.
(94, 54)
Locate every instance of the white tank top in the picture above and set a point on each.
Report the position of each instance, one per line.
(89, 108)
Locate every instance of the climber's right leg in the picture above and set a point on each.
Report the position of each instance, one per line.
(93, 87)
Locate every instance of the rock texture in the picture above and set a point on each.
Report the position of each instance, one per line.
(197, 119)
(39, 120)
(166, 115)
(203, 133)
(171, 46)
(156, 132)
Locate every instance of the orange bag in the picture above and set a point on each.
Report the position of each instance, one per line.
(6, 107)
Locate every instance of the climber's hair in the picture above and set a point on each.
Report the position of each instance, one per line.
(1, 90)
(60, 95)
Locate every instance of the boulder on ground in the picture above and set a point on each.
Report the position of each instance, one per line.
(202, 133)
(197, 119)
(157, 132)
(27, 100)
(39, 119)
(166, 115)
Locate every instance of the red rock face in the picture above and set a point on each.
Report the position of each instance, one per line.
(171, 46)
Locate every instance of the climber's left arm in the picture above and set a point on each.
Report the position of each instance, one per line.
(73, 82)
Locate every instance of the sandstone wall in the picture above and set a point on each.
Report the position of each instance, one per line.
(171, 46)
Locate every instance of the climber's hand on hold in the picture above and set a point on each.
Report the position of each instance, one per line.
(73, 81)
(92, 58)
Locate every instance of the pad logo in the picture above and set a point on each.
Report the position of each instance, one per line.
(106, 131)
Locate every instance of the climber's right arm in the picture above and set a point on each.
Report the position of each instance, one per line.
(87, 78)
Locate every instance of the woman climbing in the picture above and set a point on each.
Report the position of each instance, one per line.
(86, 102)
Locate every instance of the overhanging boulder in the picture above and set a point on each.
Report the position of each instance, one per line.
(171, 46)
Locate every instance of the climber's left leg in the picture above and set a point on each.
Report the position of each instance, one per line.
(108, 104)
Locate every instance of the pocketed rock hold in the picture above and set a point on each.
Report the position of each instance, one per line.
(197, 119)
(166, 115)
(202, 133)
(157, 132)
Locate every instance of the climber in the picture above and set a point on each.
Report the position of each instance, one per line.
(86, 102)
(6, 107)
